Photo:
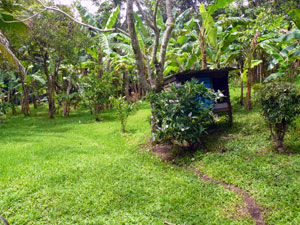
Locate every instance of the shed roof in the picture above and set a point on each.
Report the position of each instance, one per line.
(187, 75)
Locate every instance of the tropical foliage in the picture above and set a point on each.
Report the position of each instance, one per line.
(183, 113)
(280, 104)
(72, 73)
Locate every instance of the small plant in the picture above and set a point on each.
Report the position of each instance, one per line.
(123, 108)
(182, 113)
(280, 104)
(3, 110)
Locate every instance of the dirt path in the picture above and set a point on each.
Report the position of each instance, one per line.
(252, 208)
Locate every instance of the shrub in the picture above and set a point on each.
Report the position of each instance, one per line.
(3, 109)
(97, 92)
(280, 103)
(123, 108)
(182, 113)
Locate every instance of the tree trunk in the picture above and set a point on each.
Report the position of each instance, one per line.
(123, 126)
(278, 136)
(67, 101)
(248, 97)
(22, 72)
(242, 83)
(50, 87)
(100, 65)
(242, 93)
(8, 96)
(34, 101)
(51, 102)
(25, 102)
(126, 86)
(138, 55)
(203, 51)
(33, 97)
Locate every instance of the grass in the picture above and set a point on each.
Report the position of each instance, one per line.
(78, 171)
(251, 163)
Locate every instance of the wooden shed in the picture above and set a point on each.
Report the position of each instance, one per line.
(216, 79)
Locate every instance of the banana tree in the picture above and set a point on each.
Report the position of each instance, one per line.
(285, 54)
(102, 49)
(207, 28)
(10, 91)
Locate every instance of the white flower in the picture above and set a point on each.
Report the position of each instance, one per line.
(166, 126)
(182, 129)
(151, 117)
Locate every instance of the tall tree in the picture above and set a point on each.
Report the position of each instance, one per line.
(54, 39)
(10, 25)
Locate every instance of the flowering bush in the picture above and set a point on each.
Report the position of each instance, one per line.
(182, 113)
(123, 108)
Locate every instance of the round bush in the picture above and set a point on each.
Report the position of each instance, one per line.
(182, 113)
(280, 104)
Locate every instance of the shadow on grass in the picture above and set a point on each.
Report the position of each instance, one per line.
(17, 128)
(131, 131)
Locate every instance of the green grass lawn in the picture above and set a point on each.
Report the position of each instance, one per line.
(250, 162)
(78, 171)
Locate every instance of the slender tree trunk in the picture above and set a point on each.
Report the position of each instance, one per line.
(134, 86)
(67, 101)
(51, 102)
(242, 82)
(126, 85)
(25, 101)
(33, 97)
(34, 101)
(8, 96)
(242, 93)
(108, 66)
(203, 51)
(100, 65)
(278, 133)
(50, 87)
(252, 53)
(248, 97)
